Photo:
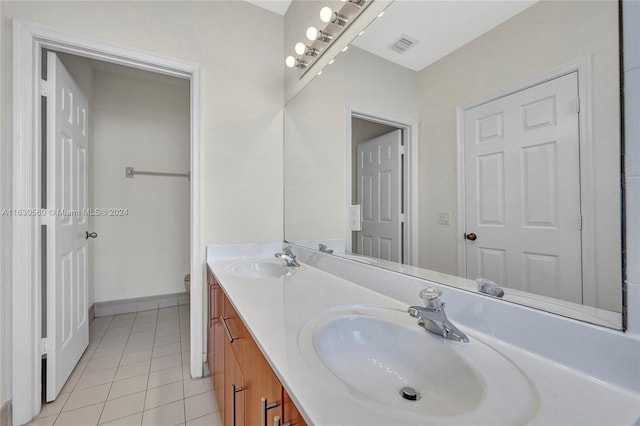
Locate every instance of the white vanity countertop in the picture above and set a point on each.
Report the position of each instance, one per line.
(275, 309)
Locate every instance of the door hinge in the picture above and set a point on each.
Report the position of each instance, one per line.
(45, 346)
(578, 105)
(580, 222)
(44, 88)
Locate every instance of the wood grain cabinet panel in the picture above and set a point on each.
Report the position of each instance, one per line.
(241, 375)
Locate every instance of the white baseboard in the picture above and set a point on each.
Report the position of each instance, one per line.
(126, 306)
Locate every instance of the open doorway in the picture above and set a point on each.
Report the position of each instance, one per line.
(27, 239)
(124, 117)
(377, 189)
(382, 181)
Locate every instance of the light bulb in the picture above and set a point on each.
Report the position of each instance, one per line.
(326, 14)
(290, 61)
(312, 33)
(300, 48)
(345, 48)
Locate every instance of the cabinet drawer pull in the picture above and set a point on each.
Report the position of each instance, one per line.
(234, 391)
(209, 306)
(264, 408)
(226, 329)
(276, 422)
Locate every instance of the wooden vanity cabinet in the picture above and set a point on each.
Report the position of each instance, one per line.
(246, 388)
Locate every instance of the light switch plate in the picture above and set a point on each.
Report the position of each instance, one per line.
(355, 217)
(444, 218)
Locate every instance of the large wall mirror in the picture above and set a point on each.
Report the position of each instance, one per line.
(466, 140)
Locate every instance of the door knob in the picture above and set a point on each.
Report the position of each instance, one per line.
(88, 235)
(471, 236)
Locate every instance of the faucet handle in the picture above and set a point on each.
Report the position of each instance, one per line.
(431, 297)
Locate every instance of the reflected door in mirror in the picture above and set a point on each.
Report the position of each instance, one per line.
(522, 190)
(379, 174)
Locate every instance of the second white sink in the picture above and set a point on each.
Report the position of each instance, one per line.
(260, 269)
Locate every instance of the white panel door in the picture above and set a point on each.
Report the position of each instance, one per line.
(522, 190)
(67, 298)
(379, 174)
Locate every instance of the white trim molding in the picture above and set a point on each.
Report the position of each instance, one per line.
(28, 41)
(583, 66)
(409, 127)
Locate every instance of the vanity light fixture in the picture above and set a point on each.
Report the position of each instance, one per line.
(314, 34)
(302, 49)
(328, 15)
(337, 21)
(292, 62)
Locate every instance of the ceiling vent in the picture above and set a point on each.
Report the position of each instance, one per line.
(402, 44)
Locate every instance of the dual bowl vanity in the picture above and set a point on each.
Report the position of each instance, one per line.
(341, 353)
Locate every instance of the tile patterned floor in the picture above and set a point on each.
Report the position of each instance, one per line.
(135, 372)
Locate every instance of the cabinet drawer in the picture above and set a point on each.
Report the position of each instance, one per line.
(234, 391)
(235, 331)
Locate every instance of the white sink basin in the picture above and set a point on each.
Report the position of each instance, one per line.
(261, 269)
(371, 354)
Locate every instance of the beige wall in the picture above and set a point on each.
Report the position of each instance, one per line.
(145, 124)
(242, 102)
(544, 36)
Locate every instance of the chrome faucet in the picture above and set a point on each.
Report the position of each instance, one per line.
(288, 256)
(433, 318)
(323, 248)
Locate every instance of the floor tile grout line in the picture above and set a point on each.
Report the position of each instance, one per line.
(117, 368)
(83, 370)
(122, 355)
(146, 388)
(127, 341)
(204, 415)
(116, 372)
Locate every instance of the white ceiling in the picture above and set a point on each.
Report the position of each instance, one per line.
(439, 26)
(278, 6)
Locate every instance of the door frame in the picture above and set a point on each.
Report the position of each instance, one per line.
(583, 67)
(410, 176)
(25, 242)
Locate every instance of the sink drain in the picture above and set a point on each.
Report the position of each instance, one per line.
(409, 393)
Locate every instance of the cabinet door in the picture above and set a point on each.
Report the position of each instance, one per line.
(217, 368)
(210, 323)
(264, 391)
(291, 414)
(234, 390)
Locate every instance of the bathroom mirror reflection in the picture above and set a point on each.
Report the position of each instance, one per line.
(470, 139)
